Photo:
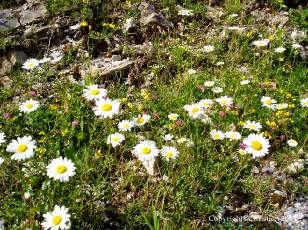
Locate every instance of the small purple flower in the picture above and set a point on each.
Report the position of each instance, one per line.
(75, 123)
(7, 116)
(243, 146)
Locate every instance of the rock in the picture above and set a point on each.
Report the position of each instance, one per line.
(106, 66)
(152, 166)
(13, 18)
(36, 12)
(150, 16)
(296, 166)
(116, 58)
(7, 22)
(129, 25)
(17, 57)
(5, 66)
(279, 196)
(10, 60)
(293, 215)
(6, 82)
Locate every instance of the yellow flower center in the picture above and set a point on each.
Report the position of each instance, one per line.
(256, 145)
(106, 107)
(253, 127)
(216, 135)
(22, 148)
(30, 65)
(140, 120)
(60, 169)
(29, 106)
(232, 135)
(206, 104)
(224, 102)
(269, 102)
(115, 139)
(56, 220)
(195, 110)
(94, 92)
(305, 102)
(126, 126)
(169, 154)
(146, 150)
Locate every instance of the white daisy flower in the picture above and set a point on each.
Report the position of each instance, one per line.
(257, 145)
(1, 160)
(31, 64)
(233, 135)
(245, 82)
(23, 148)
(168, 137)
(93, 92)
(169, 152)
(173, 116)
(292, 143)
(58, 219)
(217, 134)
(125, 125)
(225, 101)
(44, 60)
(217, 90)
(61, 169)
(304, 102)
(191, 71)
(261, 43)
(220, 63)
(145, 150)
(106, 108)
(195, 111)
(75, 27)
(141, 120)
(185, 12)
(209, 83)
(182, 140)
(281, 106)
(115, 139)
(206, 103)
(252, 125)
(208, 48)
(2, 138)
(296, 46)
(268, 102)
(280, 50)
(29, 106)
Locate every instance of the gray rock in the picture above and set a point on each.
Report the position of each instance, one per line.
(13, 18)
(10, 60)
(150, 16)
(5, 66)
(6, 82)
(129, 25)
(36, 12)
(106, 66)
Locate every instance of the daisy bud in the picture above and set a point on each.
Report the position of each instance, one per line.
(75, 123)
(222, 114)
(283, 137)
(155, 116)
(179, 122)
(33, 93)
(27, 195)
(243, 146)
